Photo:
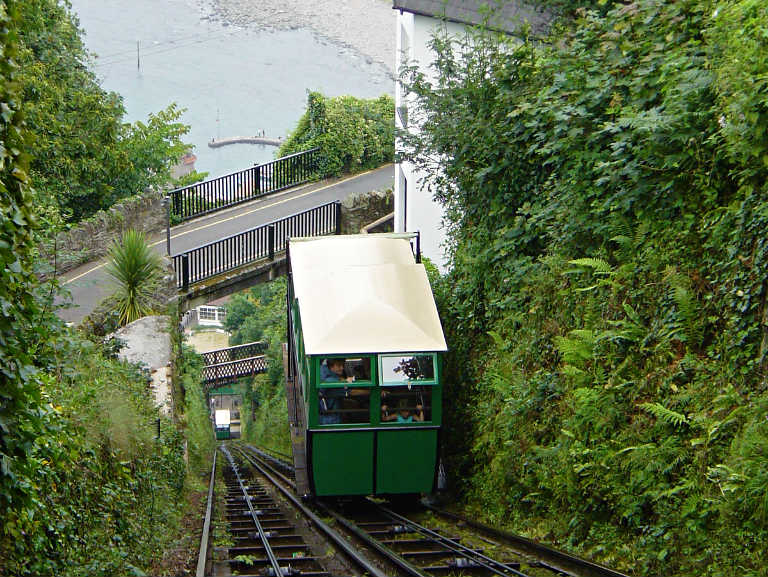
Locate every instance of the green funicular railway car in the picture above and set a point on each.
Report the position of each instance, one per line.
(364, 366)
(222, 422)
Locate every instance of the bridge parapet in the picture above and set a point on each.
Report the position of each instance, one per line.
(223, 373)
(253, 245)
(235, 353)
(231, 189)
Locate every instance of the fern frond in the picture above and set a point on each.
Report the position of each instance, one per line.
(674, 490)
(664, 414)
(688, 314)
(577, 348)
(598, 265)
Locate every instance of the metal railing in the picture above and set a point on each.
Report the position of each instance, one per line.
(231, 189)
(233, 370)
(261, 242)
(235, 353)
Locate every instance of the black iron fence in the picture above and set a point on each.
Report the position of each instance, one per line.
(235, 353)
(229, 372)
(262, 242)
(231, 189)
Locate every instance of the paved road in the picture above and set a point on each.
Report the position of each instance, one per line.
(89, 284)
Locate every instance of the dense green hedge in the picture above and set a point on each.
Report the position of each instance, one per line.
(606, 307)
(352, 133)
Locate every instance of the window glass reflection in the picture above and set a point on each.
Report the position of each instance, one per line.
(397, 369)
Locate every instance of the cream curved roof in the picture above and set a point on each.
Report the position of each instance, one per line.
(363, 294)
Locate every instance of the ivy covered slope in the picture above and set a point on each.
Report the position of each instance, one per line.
(85, 487)
(607, 201)
(353, 134)
(83, 156)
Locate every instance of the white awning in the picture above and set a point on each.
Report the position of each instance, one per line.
(363, 294)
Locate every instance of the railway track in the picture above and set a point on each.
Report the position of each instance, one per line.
(415, 549)
(267, 538)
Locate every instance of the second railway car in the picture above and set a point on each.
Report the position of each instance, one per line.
(223, 423)
(364, 366)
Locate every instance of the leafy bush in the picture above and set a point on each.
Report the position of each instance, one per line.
(198, 429)
(353, 134)
(83, 156)
(85, 487)
(605, 192)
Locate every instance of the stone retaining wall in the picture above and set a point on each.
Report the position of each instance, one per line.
(91, 238)
(359, 210)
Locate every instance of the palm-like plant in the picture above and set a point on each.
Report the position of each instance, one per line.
(136, 269)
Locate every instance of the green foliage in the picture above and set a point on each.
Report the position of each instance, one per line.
(607, 303)
(95, 473)
(23, 415)
(136, 268)
(663, 414)
(83, 156)
(85, 488)
(353, 134)
(198, 428)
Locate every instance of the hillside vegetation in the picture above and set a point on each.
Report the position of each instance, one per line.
(353, 134)
(91, 474)
(605, 191)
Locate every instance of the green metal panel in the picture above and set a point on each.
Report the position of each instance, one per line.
(342, 463)
(222, 433)
(437, 405)
(225, 390)
(406, 461)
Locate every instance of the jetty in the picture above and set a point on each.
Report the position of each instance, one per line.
(216, 143)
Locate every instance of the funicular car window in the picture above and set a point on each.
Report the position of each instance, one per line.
(406, 404)
(341, 398)
(402, 369)
(342, 405)
(350, 370)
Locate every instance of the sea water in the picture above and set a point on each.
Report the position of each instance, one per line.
(232, 81)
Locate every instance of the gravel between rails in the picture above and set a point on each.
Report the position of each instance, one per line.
(366, 26)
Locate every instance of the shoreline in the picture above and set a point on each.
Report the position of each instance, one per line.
(365, 27)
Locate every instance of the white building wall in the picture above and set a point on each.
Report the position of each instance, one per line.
(414, 208)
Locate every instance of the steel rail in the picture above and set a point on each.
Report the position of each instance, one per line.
(393, 556)
(337, 539)
(382, 549)
(203, 555)
(531, 547)
(278, 572)
(496, 567)
(262, 454)
(574, 563)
